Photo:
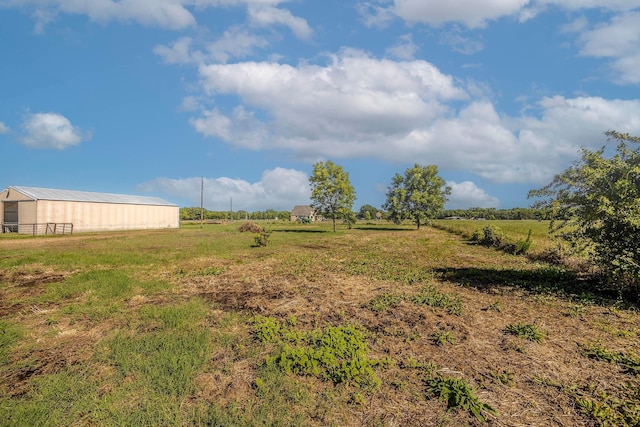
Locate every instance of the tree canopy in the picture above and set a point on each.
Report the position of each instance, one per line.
(332, 194)
(598, 199)
(419, 195)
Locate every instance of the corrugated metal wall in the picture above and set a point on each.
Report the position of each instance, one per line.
(87, 216)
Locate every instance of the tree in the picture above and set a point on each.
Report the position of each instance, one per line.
(367, 212)
(332, 194)
(419, 195)
(597, 202)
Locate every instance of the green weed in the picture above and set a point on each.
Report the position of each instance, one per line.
(335, 353)
(628, 361)
(384, 302)
(429, 295)
(527, 331)
(443, 337)
(459, 395)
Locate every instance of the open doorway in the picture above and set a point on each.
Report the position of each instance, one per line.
(10, 223)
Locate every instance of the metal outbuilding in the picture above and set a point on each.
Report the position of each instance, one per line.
(32, 210)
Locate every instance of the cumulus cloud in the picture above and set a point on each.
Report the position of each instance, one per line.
(467, 194)
(51, 130)
(353, 96)
(618, 40)
(278, 189)
(3, 128)
(356, 106)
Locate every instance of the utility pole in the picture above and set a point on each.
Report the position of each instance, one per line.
(201, 202)
(231, 208)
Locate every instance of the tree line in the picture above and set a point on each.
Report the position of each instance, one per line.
(195, 214)
(594, 205)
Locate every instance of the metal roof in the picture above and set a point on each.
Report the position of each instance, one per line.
(88, 196)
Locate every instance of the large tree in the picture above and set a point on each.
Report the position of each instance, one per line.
(419, 195)
(597, 202)
(332, 194)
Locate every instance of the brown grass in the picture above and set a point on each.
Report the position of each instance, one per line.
(529, 384)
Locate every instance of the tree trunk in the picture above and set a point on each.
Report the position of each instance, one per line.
(334, 224)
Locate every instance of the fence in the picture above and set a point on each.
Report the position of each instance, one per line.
(38, 229)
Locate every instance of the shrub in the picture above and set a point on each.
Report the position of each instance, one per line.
(262, 239)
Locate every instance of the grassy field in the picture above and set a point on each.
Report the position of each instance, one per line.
(380, 325)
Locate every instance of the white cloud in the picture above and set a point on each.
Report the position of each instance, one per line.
(51, 130)
(375, 16)
(467, 194)
(405, 48)
(278, 189)
(169, 14)
(3, 128)
(472, 13)
(619, 40)
(460, 43)
(236, 42)
(356, 106)
(354, 96)
(265, 15)
(179, 52)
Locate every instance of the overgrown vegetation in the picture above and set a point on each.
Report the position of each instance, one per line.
(336, 353)
(595, 205)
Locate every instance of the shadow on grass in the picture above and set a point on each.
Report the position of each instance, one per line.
(298, 230)
(544, 281)
(383, 228)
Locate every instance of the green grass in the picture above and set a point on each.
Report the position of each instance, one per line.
(10, 334)
(199, 327)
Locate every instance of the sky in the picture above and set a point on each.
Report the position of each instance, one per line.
(158, 97)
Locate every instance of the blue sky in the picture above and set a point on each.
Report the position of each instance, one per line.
(149, 96)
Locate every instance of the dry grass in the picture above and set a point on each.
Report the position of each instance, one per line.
(320, 279)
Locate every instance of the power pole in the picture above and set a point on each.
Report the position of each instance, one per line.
(201, 202)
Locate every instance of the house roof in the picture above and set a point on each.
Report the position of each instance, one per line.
(302, 210)
(37, 193)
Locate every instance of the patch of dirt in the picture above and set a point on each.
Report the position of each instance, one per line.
(67, 349)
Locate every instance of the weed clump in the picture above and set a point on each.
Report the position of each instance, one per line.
(492, 236)
(384, 302)
(459, 395)
(526, 330)
(432, 297)
(336, 353)
(628, 361)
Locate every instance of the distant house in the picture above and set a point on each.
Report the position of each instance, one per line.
(303, 213)
(32, 210)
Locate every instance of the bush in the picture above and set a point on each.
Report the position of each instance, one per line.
(262, 239)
